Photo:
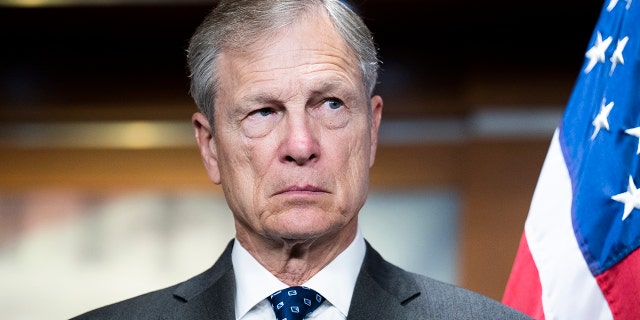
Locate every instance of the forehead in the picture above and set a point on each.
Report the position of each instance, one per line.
(311, 47)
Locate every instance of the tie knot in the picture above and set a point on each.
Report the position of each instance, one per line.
(294, 303)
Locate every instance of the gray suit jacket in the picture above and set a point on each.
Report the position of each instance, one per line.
(383, 291)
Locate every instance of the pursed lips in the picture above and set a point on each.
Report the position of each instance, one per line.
(306, 189)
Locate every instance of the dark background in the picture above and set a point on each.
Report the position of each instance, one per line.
(65, 62)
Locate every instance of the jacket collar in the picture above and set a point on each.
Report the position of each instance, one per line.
(382, 289)
(210, 295)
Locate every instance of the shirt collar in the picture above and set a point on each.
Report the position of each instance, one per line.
(343, 270)
(254, 283)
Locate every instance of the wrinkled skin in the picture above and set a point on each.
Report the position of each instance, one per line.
(294, 138)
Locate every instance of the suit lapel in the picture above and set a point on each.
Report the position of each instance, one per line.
(370, 301)
(209, 295)
(381, 290)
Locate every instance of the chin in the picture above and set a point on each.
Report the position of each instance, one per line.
(305, 223)
(305, 230)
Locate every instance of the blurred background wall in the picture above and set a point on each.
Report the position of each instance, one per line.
(103, 195)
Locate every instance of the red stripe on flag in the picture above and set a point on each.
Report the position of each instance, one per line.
(523, 291)
(620, 287)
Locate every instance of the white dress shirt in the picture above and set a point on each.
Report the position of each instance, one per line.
(335, 283)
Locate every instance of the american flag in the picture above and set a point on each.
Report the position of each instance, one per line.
(578, 256)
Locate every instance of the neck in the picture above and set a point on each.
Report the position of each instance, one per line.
(295, 261)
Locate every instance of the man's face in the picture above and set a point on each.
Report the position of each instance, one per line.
(293, 139)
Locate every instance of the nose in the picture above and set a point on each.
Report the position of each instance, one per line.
(300, 144)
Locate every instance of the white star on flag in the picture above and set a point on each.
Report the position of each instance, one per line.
(631, 198)
(617, 57)
(613, 4)
(601, 119)
(636, 133)
(596, 53)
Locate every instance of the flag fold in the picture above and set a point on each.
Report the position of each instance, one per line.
(579, 257)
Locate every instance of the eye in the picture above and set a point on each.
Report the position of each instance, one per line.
(264, 112)
(333, 113)
(259, 122)
(334, 103)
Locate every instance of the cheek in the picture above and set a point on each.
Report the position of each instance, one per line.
(242, 181)
(353, 167)
(236, 168)
(247, 165)
(259, 156)
(359, 151)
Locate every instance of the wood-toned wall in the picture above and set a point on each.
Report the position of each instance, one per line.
(495, 179)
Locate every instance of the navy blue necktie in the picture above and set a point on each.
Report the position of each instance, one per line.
(294, 303)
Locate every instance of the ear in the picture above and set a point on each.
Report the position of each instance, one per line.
(206, 145)
(376, 116)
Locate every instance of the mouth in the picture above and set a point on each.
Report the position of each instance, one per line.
(300, 190)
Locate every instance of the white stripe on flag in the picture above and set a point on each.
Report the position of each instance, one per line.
(564, 276)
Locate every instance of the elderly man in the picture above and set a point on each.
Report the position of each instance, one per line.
(288, 126)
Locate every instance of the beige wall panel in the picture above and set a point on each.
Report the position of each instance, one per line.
(417, 166)
(496, 180)
(499, 180)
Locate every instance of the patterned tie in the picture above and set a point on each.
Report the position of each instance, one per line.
(294, 303)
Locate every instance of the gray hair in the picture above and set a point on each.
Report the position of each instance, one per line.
(235, 24)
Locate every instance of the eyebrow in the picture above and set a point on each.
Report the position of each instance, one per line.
(338, 87)
(262, 97)
(330, 85)
(335, 86)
